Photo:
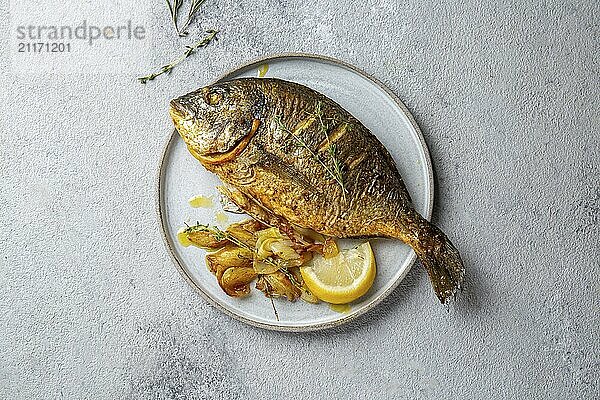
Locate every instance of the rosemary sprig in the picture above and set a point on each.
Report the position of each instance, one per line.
(210, 35)
(336, 172)
(194, 7)
(174, 7)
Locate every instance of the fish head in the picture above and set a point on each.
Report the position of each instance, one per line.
(217, 121)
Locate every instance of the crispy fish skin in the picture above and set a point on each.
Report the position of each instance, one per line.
(300, 156)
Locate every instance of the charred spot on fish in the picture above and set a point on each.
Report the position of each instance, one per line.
(245, 123)
(257, 109)
(333, 137)
(357, 160)
(303, 125)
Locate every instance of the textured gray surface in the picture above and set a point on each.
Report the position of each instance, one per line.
(507, 97)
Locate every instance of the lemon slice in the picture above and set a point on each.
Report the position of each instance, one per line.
(343, 278)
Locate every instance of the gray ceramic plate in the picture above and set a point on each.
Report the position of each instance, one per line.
(182, 177)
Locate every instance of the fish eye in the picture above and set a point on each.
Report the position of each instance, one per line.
(213, 97)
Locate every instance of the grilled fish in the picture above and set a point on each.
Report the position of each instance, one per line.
(290, 154)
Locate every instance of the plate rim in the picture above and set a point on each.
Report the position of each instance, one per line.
(308, 327)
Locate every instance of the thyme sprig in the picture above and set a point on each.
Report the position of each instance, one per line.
(336, 170)
(269, 293)
(331, 149)
(166, 69)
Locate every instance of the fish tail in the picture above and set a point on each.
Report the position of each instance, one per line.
(438, 255)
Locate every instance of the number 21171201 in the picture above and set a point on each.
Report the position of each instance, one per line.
(44, 47)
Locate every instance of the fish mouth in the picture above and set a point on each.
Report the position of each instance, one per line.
(179, 116)
(221, 157)
(176, 110)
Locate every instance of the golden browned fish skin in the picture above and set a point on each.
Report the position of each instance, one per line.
(300, 156)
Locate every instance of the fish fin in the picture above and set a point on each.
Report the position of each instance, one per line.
(254, 209)
(250, 206)
(441, 260)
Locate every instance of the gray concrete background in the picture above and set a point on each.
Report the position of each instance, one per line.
(506, 94)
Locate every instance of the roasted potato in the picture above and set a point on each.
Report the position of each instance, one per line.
(227, 257)
(232, 265)
(278, 284)
(204, 239)
(236, 281)
(244, 231)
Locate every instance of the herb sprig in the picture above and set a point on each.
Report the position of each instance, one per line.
(269, 293)
(194, 7)
(331, 149)
(166, 69)
(336, 170)
(175, 6)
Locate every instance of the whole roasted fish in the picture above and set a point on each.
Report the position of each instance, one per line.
(290, 155)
